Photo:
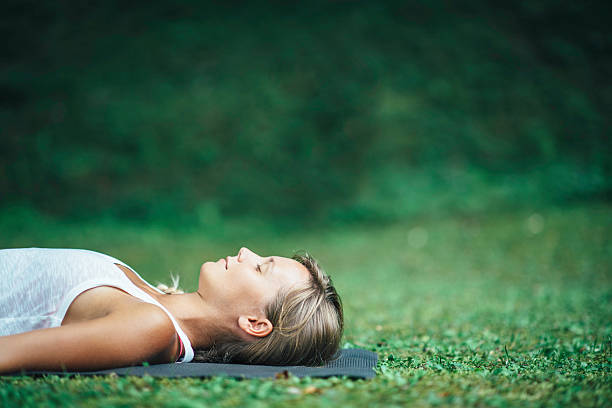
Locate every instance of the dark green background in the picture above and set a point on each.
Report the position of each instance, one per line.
(309, 113)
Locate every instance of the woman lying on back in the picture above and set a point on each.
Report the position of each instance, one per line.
(76, 309)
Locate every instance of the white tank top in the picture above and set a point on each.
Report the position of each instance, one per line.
(39, 284)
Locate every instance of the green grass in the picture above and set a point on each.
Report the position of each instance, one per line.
(506, 308)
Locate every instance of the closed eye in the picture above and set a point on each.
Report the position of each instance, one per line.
(270, 261)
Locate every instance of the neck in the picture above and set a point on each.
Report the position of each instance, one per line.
(199, 321)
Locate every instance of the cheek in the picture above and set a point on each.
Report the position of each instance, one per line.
(250, 295)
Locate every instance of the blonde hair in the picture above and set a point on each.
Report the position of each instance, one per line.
(307, 327)
(171, 290)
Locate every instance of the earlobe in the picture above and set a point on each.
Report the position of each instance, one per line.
(258, 327)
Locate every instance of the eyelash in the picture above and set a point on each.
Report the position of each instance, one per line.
(258, 268)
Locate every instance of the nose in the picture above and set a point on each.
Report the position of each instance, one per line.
(245, 253)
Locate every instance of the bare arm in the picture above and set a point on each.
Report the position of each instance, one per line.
(126, 337)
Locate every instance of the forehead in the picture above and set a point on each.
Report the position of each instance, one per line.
(288, 270)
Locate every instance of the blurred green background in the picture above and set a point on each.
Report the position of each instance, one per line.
(283, 114)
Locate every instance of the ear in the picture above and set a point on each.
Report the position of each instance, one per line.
(255, 326)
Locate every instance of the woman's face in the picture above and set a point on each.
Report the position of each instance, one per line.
(247, 282)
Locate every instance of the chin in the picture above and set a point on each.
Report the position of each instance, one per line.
(206, 266)
(213, 267)
(204, 269)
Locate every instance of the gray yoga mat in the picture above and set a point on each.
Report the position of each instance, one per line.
(352, 363)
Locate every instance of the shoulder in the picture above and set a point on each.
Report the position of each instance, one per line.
(147, 331)
(144, 326)
(146, 317)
